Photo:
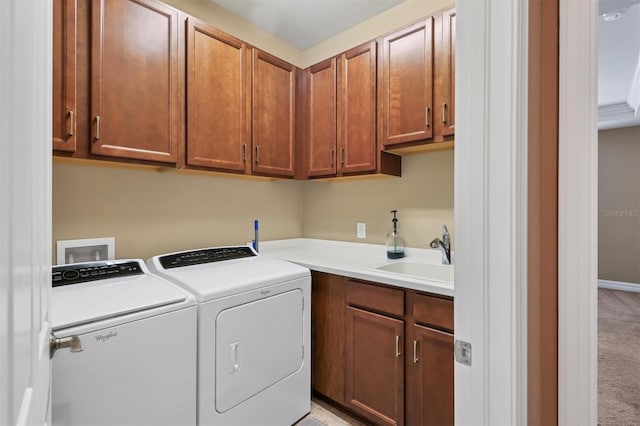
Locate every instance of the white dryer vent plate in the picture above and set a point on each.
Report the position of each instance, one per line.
(85, 250)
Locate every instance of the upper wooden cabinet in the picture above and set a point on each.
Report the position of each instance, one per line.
(135, 87)
(65, 111)
(339, 104)
(320, 127)
(357, 109)
(405, 74)
(218, 99)
(445, 65)
(274, 83)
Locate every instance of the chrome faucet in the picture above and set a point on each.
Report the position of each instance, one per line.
(444, 244)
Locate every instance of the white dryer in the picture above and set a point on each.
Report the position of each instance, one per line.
(123, 348)
(254, 334)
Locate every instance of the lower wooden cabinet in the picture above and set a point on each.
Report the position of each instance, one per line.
(429, 373)
(383, 353)
(374, 371)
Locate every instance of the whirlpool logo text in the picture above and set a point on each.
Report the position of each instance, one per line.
(106, 336)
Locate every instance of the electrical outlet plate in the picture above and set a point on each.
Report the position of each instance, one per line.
(361, 230)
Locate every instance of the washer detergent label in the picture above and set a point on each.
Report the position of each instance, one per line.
(102, 338)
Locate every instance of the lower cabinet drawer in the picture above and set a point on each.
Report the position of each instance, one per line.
(375, 298)
(433, 311)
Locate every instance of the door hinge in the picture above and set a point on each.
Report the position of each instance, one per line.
(462, 352)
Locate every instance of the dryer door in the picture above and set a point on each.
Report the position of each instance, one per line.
(257, 344)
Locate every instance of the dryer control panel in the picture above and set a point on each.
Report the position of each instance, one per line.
(92, 271)
(197, 257)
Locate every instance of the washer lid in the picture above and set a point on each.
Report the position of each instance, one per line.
(93, 301)
(218, 279)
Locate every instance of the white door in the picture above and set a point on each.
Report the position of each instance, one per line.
(25, 210)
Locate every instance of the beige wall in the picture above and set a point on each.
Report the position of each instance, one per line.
(151, 213)
(619, 205)
(423, 197)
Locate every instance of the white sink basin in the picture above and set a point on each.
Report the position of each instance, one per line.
(427, 271)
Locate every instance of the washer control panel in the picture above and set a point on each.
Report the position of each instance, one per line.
(197, 257)
(92, 271)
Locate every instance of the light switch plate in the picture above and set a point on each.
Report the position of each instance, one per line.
(361, 230)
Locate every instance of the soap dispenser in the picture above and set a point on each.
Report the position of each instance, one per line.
(395, 243)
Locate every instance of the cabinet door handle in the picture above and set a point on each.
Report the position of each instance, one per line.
(97, 127)
(332, 152)
(257, 154)
(342, 156)
(444, 112)
(427, 114)
(71, 123)
(398, 353)
(415, 352)
(244, 152)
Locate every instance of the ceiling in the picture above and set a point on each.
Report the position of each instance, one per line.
(305, 23)
(619, 65)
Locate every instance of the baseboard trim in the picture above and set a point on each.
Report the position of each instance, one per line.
(619, 285)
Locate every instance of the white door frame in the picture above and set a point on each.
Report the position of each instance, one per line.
(491, 210)
(578, 215)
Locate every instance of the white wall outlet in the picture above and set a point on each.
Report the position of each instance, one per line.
(361, 230)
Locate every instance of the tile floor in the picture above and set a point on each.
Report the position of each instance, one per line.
(323, 414)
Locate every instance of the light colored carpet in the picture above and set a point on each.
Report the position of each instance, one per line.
(618, 358)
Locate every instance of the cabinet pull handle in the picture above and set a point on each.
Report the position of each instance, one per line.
(244, 152)
(398, 353)
(342, 156)
(444, 112)
(427, 114)
(71, 123)
(257, 154)
(234, 357)
(415, 352)
(97, 127)
(332, 152)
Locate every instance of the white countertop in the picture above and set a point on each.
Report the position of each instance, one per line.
(356, 260)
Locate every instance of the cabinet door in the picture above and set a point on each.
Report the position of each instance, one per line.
(357, 110)
(218, 99)
(374, 372)
(445, 55)
(429, 364)
(406, 92)
(321, 127)
(64, 75)
(327, 335)
(135, 93)
(273, 115)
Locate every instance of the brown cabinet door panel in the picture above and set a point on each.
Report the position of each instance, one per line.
(273, 115)
(357, 147)
(445, 93)
(407, 64)
(327, 335)
(375, 366)
(65, 112)
(135, 87)
(321, 137)
(218, 99)
(429, 367)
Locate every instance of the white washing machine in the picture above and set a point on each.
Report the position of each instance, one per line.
(123, 348)
(254, 334)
